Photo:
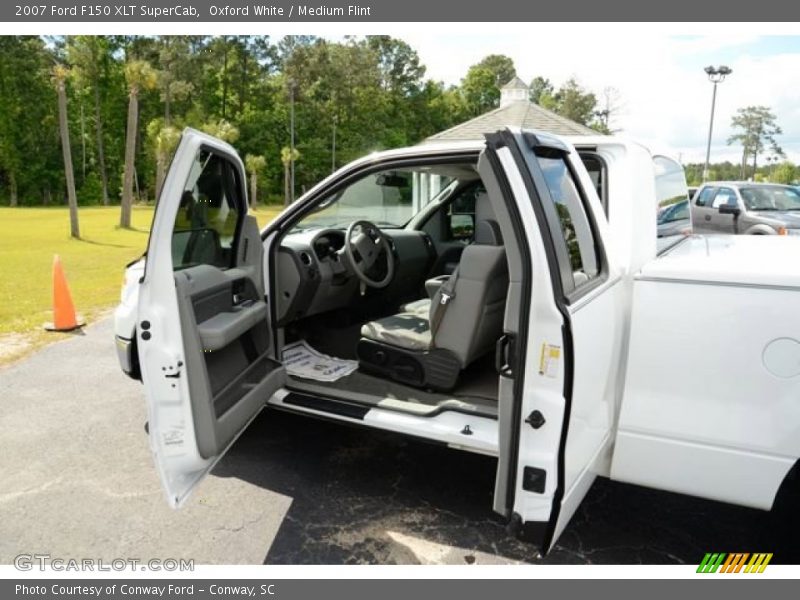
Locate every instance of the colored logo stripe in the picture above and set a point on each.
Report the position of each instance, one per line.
(758, 563)
(734, 562)
(710, 562)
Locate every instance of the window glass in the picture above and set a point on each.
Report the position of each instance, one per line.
(387, 198)
(771, 197)
(597, 173)
(724, 196)
(676, 212)
(575, 226)
(461, 213)
(209, 213)
(672, 200)
(705, 196)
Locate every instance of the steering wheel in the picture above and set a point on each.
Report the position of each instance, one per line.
(364, 244)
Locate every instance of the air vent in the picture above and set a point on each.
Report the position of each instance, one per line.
(305, 258)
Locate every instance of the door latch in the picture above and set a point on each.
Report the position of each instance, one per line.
(174, 375)
(505, 355)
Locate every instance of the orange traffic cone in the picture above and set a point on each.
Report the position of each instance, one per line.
(64, 317)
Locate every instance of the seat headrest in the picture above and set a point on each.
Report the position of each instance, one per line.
(483, 207)
(487, 231)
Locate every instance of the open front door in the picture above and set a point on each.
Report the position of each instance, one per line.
(557, 361)
(204, 340)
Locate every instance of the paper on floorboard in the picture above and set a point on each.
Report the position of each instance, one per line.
(301, 360)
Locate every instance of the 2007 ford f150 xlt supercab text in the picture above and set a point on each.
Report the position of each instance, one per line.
(508, 297)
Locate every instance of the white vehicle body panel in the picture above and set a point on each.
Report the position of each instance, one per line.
(712, 394)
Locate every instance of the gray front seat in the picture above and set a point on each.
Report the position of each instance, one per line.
(465, 327)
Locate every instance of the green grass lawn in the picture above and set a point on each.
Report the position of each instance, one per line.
(94, 265)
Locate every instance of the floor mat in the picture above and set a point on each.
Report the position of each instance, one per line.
(301, 360)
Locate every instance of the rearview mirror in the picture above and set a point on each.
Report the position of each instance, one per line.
(391, 180)
(730, 209)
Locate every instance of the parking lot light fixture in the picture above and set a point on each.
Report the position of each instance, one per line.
(716, 75)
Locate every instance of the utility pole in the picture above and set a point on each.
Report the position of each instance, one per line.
(291, 144)
(333, 146)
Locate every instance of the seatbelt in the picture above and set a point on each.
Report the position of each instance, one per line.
(446, 295)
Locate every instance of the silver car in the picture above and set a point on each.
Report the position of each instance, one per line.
(746, 208)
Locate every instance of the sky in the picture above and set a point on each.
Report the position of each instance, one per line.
(664, 93)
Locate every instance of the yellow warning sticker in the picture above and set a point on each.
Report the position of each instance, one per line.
(549, 360)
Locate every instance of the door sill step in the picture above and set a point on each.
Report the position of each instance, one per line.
(328, 405)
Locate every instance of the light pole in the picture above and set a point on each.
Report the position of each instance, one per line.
(715, 75)
(771, 162)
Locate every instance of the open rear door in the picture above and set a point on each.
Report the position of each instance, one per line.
(557, 359)
(204, 337)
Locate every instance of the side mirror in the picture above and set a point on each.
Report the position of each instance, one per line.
(730, 209)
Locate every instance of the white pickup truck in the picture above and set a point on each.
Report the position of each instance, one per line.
(506, 297)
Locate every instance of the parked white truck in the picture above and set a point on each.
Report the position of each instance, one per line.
(505, 297)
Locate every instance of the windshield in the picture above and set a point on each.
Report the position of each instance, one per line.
(676, 212)
(774, 197)
(389, 199)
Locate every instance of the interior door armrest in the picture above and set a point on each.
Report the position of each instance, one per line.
(223, 328)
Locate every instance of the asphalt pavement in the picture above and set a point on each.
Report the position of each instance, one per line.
(78, 481)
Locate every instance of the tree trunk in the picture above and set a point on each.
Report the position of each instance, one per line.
(286, 200)
(160, 172)
(253, 189)
(47, 196)
(12, 185)
(101, 154)
(130, 150)
(225, 80)
(743, 170)
(74, 229)
(167, 102)
(243, 87)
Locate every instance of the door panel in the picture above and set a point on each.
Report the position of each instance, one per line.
(204, 335)
(565, 381)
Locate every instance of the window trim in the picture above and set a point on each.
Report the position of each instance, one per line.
(571, 291)
(603, 196)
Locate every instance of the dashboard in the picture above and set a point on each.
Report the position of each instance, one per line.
(313, 275)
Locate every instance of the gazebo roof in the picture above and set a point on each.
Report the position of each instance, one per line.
(521, 113)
